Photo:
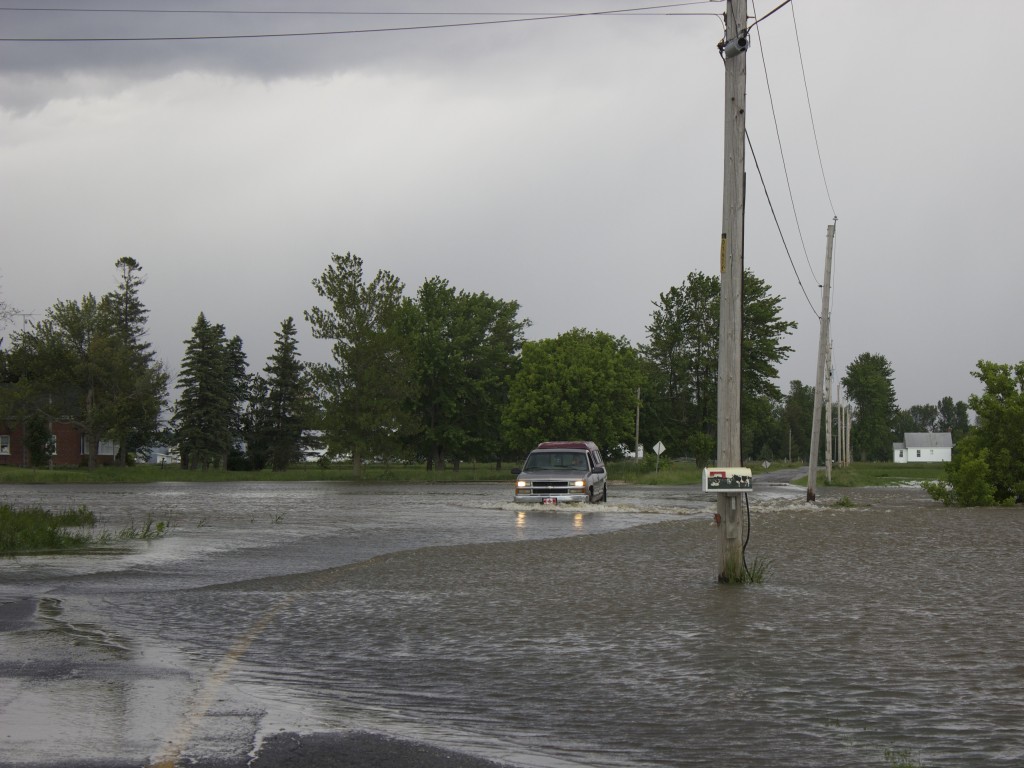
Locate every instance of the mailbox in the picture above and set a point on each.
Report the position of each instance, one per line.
(726, 479)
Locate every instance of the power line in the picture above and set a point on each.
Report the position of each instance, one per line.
(778, 226)
(643, 10)
(300, 12)
(814, 130)
(782, 156)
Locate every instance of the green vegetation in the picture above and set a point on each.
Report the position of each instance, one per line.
(280, 405)
(207, 419)
(85, 362)
(445, 379)
(988, 464)
(859, 475)
(148, 473)
(754, 573)
(868, 383)
(581, 383)
(35, 529)
(680, 363)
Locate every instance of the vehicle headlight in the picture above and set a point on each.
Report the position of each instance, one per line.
(580, 483)
(521, 484)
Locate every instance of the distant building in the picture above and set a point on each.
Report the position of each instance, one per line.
(923, 448)
(68, 446)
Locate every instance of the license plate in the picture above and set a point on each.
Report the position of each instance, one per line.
(549, 500)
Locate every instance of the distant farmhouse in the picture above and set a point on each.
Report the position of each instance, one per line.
(68, 446)
(923, 447)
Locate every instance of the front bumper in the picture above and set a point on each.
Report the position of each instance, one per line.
(527, 497)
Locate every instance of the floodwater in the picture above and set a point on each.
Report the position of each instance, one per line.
(888, 628)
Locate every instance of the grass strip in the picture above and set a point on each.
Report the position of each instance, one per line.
(34, 529)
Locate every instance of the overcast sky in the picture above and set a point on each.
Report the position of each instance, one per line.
(573, 165)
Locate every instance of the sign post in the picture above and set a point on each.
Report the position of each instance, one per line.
(659, 448)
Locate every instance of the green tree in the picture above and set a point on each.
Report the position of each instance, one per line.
(207, 421)
(364, 392)
(681, 359)
(68, 366)
(869, 385)
(256, 424)
(286, 400)
(1000, 427)
(465, 351)
(580, 385)
(681, 362)
(953, 418)
(797, 420)
(140, 392)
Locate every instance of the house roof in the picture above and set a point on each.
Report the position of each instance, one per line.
(928, 440)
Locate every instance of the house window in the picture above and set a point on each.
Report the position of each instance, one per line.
(901, 454)
(5, 445)
(103, 447)
(919, 454)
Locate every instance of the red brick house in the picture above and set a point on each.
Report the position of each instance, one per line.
(70, 449)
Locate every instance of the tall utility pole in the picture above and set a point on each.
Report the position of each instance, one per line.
(828, 411)
(733, 48)
(636, 455)
(823, 334)
(841, 423)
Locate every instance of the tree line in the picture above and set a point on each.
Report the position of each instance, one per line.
(440, 377)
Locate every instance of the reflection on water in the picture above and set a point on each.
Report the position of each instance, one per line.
(891, 626)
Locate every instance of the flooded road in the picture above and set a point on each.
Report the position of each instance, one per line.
(888, 628)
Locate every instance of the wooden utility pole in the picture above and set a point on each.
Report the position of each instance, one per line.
(839, 425)
(636, 445)
(828, 411)
(823, 334)
(733, 49)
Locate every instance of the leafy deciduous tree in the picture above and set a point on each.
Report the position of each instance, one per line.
(869, 384)
(364, 391)
(682, 360)
(580, 385)
(953, 418)
(465, 351)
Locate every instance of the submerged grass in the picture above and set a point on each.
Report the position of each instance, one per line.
(36, 530)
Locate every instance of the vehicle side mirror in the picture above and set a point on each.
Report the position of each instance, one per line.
(516, 471)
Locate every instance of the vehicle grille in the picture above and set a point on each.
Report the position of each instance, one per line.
(551, 486)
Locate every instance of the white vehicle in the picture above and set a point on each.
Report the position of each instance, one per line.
(558, 472)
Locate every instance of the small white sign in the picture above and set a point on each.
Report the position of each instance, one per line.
(659, 447)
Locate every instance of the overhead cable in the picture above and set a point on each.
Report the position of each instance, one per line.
(814, 130)
(782, 156)
(778, 226)
(326, 33)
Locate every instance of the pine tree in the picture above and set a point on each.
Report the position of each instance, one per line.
(213, 382)
(286, 399)
(141, 384)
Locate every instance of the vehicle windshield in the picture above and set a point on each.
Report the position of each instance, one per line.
(558, 460)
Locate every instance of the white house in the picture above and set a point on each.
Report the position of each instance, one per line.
(923, 447)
